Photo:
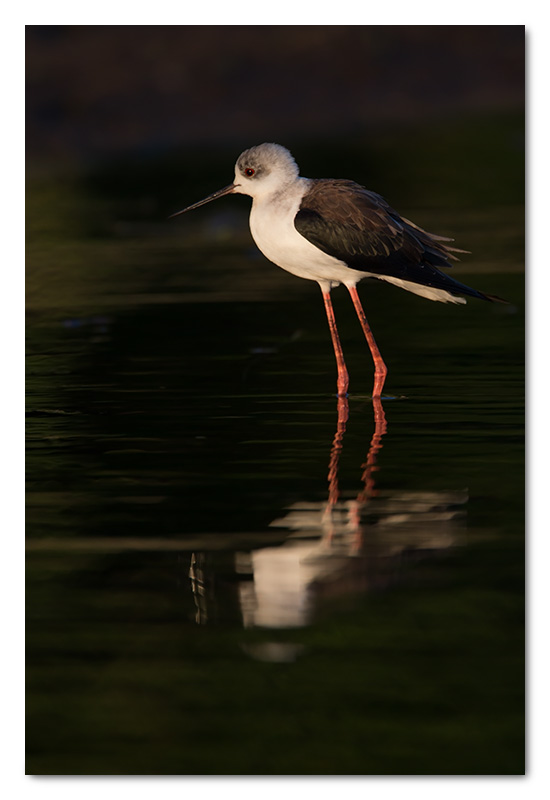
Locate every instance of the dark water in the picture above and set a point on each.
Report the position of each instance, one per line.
(228, 571)
(226, 577)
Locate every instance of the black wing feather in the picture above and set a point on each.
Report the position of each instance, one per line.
(357, 226)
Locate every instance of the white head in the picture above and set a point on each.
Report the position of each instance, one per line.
(260, 171)
(264, 169)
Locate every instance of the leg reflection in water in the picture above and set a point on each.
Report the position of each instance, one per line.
(369, 467)
(344, 544)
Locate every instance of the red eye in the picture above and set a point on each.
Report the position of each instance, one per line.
(249, 172)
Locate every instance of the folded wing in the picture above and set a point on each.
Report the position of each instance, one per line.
(358, 227)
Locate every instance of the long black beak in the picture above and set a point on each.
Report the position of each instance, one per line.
(220, 193)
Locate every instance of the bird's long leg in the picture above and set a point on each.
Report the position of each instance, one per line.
(343, 379)
(380, 369)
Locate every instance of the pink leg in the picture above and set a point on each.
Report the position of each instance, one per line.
(380, 369)
(343, 379)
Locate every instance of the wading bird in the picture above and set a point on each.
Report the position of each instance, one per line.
(336, 231)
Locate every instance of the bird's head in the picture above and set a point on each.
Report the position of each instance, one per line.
(264, 169)
(260, 171)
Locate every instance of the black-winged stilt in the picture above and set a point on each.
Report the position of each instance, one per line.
(336, 231)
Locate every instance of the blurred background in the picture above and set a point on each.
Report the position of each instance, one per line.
(126, 124)
(97, 92)
(183, 434)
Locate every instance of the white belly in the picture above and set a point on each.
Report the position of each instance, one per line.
(272, 228)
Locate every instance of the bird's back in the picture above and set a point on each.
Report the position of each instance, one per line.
(360, 228)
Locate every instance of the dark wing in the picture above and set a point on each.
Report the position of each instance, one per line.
(357, 226)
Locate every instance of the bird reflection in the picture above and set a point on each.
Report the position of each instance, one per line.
(341, 546)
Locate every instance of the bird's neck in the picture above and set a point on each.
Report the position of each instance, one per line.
(282, 199)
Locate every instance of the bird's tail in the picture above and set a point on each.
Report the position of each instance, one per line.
(495, 298)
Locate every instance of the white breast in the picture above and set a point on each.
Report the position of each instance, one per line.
(272, 227)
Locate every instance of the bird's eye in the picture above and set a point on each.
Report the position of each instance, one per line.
(249, 172)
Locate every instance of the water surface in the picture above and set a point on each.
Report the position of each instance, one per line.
(229, 571)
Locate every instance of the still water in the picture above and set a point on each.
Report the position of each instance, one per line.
(229, 571)
(232, 572)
